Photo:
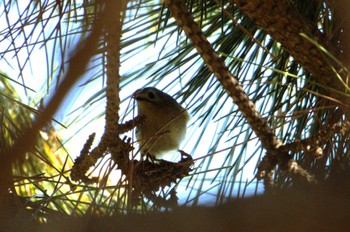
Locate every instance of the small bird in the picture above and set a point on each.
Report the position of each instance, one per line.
(165, 125)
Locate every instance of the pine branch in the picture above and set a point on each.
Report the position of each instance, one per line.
(26, 142)
(144, 176)
(230, 83)
(285, 25)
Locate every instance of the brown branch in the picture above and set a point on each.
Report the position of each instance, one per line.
(313, 144)
(230, 83)
(112, 37)
(286, 26)
(143, 177)
(219, 69)
(87, 159)
(110, 139)
(77, 65)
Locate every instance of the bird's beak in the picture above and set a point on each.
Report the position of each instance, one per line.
(137, 95)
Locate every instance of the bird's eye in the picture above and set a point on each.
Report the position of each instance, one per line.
(151, 95)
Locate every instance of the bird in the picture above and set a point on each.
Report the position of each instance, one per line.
(165, 122)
